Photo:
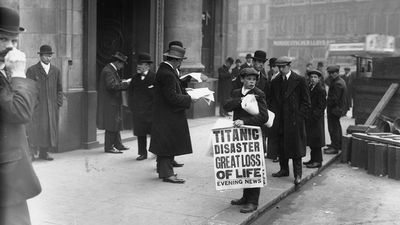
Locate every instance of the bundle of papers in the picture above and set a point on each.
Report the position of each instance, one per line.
(196, 76)
(203, 93)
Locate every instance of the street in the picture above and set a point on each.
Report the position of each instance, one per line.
(339, 195)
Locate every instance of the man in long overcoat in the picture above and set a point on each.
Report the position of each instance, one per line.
(315, 127)
(236, 82)
(224, 84)
(248, 63)
(18, 97)
(336, 108)
(290, 101)
(141, 93)
(348, 78)
(170, 132)
(109, 103)
(43, 130)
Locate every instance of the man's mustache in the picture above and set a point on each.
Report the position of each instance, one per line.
(4, 53)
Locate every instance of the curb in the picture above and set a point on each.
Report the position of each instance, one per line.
(292, 189)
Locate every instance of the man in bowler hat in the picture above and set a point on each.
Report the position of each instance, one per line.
(336, 108)
(141, 92)
(109, 103)
(17, 101)
(170, 135)
(290, 101)
(43, 130)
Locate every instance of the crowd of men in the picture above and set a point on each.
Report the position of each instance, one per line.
(30, 102)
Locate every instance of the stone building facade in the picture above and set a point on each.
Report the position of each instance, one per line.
(85, 33)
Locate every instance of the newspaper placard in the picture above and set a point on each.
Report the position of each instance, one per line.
(238, 157)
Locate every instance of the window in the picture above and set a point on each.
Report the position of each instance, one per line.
(262, 38)
(250, 39)
(250, 12)
(340, 23)
(299, 24)
(281, 25)
(319, 23)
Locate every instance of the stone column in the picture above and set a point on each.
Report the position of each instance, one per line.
(182, 21)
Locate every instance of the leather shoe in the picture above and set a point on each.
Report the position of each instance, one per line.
(141, 157)
(308, 162)
(249, 207)
(176, 164)
(281, 173)
(174, 180)
(314, 165)
(122, 148)
(275, 160)
(46, 157)
(297, 180)
(240, 201)
(331, 151)
(113, 150)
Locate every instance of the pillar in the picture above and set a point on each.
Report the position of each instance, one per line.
(182, 21)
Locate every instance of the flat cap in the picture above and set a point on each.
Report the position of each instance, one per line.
(248, 71)
(333, 68)
(283, 60)
(317, 72)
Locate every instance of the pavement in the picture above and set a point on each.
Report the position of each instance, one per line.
(341, 194)
(90, 187)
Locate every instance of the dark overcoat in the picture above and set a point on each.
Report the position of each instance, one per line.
(236, 82)
(17, 177)
(109, 100)
(290, 108)
(170, 131)
(141, 93)
(224, 84)
(348, 80)
(315, 126)
(336, 102)
(264, 84)
(234, 104)
(43, 130)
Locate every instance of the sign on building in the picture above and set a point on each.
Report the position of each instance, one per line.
(238, 157)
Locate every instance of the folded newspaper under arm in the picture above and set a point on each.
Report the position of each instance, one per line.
(271, 117)
(196, 76)
(203, 93)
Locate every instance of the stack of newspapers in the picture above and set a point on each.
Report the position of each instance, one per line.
(199, 93)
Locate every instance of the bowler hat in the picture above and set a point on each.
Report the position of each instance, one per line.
(260, 56)
(272, 62)
(229, 59)
(317, 72)
(283, 61)
(45, 49)
(333, 68)
(179, 43)
(120, 57)
(249, 71)
(9, 21)
(144, 58)
(176, 52)
(248, 56)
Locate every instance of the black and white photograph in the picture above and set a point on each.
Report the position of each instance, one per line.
(199, 112)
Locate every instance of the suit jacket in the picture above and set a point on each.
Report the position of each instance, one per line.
(336, 102)
(109, 101)
(290, 108)
(17, 177)
(141, 93)
(46, 114)
(263, 84)
(170, 131)
(315, 127)
(236, 82)
(234, 104)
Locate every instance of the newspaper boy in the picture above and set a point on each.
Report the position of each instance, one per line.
(249, 78)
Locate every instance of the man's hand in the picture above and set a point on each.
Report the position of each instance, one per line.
(127, 80)
(15, 62)
(238, 123)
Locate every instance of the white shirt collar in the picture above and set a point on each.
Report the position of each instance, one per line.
(169, 64)
(2, 66)
(114, 66)
(245, 91)
(288, 75)
(45, 67)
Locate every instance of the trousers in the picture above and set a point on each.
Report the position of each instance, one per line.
(335, 131)
(112, 139)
